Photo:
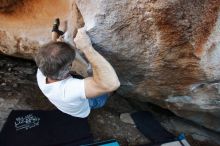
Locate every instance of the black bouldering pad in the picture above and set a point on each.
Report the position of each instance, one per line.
(151, 128)
(44, 128)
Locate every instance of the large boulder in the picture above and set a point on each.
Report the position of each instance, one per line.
(165, 52)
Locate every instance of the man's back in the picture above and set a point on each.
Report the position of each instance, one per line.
(67, 95)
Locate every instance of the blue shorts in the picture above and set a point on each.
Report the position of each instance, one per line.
(98, 102)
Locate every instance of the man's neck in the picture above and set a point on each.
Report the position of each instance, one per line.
(49, 80)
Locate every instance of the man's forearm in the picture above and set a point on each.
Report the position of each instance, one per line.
(103, 72)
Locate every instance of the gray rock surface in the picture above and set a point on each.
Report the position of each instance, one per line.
(165, 52)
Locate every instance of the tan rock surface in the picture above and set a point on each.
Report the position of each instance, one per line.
(28, 25)
(25, 25)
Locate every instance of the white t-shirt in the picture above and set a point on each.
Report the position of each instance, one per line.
(67, 95)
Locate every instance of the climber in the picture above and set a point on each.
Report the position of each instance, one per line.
(71, 95)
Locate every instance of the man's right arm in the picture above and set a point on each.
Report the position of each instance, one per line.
(104, 77)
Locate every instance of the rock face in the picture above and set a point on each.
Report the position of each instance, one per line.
(165, 52)
(26, 24)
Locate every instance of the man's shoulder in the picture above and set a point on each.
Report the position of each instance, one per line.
(74, 79)
(73, 87)
(71, 81)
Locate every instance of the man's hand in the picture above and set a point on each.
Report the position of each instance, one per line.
(82, 40)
